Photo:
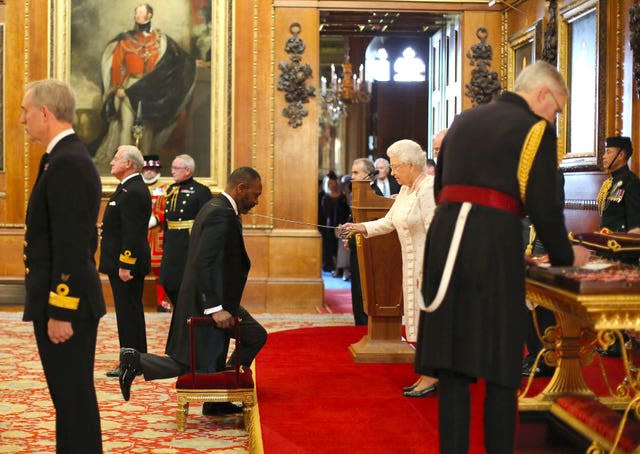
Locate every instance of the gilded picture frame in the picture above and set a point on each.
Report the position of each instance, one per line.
(581, 61)
(523, 49)
(83, 33)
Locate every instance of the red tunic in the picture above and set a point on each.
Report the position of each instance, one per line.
(135, 55)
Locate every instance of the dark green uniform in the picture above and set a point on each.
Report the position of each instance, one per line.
(622, 204)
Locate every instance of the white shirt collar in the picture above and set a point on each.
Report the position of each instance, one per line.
(233, 202)
(58, 138)
(128, 177)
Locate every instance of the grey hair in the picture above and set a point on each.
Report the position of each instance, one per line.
(540, 74)
(408, 152)
(189, 163)
(134, 155)
(55, 95)
(382, 160)
(367, 164)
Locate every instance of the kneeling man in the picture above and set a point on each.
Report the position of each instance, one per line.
(214, 279)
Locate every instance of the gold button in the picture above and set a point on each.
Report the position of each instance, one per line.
(25, 243)
(26, 270)
(24, 256)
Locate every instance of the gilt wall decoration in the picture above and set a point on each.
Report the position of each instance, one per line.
(484, 85)
(550, 45)
(634, 26)
(293, 78)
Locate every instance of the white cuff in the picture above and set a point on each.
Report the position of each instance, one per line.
(212, 310)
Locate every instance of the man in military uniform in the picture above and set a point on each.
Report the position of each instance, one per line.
(619, 202)
(147, 78)
(124, 250)
(476, 326)
(619, 196)
(63, 292)
(151, 176)
(183, 200)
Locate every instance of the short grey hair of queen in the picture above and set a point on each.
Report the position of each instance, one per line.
(540, 74)
(189, 163)
(408, 152)
(55, 95)
(134, 155)
(367, 164)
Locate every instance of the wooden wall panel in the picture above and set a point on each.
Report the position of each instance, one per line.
(285, 156)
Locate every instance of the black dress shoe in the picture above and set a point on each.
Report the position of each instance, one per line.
(129, 368)
(220, 408)
(114, 373)
(421, 392)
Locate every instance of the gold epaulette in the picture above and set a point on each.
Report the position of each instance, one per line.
(180, 225)
(61, 298)
(125, 257)
(528, 154)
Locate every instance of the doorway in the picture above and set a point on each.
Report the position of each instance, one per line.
(362, 110)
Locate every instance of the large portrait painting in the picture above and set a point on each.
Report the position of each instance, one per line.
(153, 74)
(581, 57)
(522, 51)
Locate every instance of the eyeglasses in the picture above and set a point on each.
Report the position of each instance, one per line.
(397, 166)
(177, 168)
(559, 107)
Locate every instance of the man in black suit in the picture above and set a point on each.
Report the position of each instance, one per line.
(63, 293)
(124, 250)
(385, 182)
(214, 279)
(361, 169)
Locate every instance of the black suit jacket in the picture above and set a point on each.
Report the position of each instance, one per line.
(61, 237)
(124, 229)
(215, 274)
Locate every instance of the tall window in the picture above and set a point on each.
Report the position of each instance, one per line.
(409, 68)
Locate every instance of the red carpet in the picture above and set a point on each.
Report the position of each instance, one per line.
(337, 301)
(314, 399)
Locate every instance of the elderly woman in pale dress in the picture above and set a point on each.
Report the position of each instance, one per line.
(410, 216)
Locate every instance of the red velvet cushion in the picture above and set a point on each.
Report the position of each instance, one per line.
(226, 379)
(602, 419)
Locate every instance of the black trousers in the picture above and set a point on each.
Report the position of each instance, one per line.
(454, 413)
(212, 345)
(360, 317)
(68, 369)
(127, 297)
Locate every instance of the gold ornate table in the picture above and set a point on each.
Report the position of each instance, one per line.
(587, 312)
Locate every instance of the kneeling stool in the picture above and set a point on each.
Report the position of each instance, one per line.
(231, 385)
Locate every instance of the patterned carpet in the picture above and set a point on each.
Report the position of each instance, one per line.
(145, 424)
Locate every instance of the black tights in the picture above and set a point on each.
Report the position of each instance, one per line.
(500, 407)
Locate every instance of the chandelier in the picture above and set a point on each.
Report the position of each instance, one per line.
(337, 93)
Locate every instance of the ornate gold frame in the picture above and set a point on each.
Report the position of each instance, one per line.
(531, 36)
(567, 15)
(221, 153)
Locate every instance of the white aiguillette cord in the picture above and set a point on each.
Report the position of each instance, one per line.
(451, 259)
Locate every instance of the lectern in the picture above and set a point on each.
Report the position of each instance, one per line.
(380, 265)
